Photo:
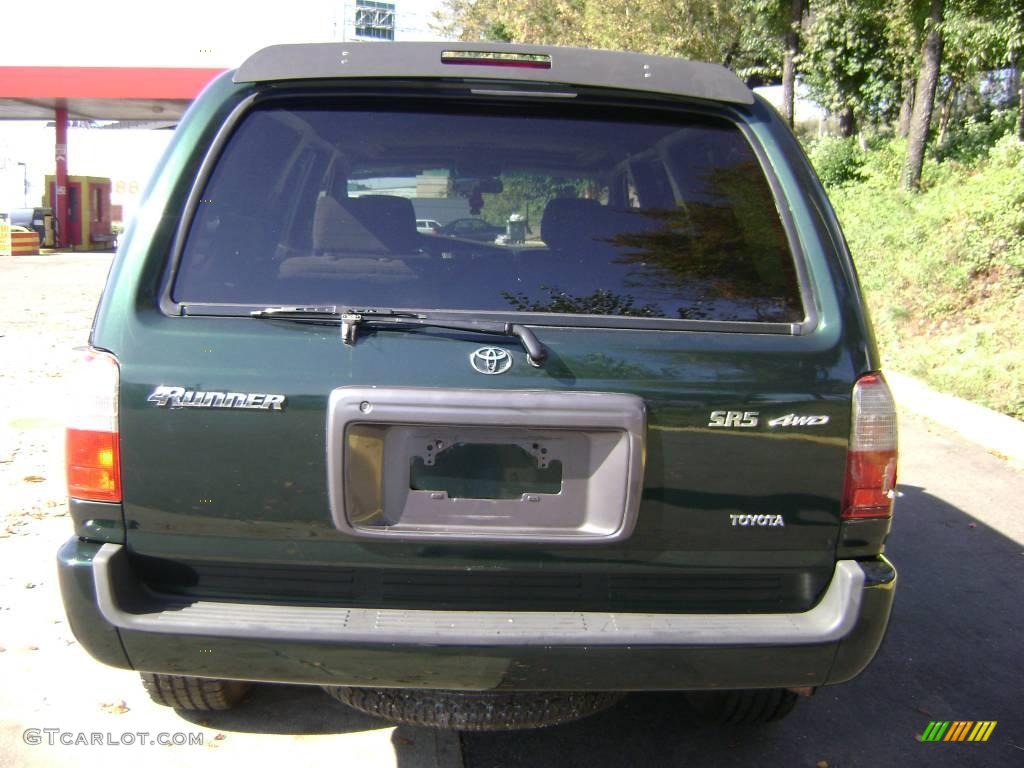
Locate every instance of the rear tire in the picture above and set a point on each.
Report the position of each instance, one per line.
(197, 694)
(473, 710)
(743, 707)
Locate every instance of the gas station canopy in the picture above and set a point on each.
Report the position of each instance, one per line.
(94, 93)
(100, 93)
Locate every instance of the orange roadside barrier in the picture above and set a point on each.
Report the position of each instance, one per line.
(24, 244)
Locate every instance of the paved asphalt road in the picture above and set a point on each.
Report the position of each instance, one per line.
(954, 649)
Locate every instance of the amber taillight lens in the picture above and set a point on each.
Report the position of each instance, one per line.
(92, 444)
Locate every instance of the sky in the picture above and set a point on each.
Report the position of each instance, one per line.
(190, 33)
(183, 33)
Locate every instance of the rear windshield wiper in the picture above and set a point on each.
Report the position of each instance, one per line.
(352, 319)
(327, 313)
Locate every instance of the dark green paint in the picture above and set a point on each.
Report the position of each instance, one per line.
(74, 571)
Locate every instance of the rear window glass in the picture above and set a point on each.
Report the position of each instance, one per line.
(663, 218)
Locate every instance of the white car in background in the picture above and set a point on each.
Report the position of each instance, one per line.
(428, 226)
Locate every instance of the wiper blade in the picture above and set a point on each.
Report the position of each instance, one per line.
(326, 312)
(536, 353)
(351, 319)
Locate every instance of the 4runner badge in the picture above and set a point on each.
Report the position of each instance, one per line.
(179, 397)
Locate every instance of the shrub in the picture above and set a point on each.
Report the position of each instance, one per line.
(1008, 152)
(885, 159)
(838, 161)
(971, 141)
(944, 269)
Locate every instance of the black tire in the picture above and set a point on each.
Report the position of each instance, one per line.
(743, 707)
(197, 694)
(473, 710)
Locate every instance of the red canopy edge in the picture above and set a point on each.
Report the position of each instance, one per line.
(104, 82)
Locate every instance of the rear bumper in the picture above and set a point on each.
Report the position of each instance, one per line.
(110, 610)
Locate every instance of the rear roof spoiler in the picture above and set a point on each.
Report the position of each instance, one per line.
(496, 61)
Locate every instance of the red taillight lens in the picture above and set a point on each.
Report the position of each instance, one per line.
(871, 462)
(92, 445)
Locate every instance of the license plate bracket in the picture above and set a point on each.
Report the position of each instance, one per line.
(474, 464)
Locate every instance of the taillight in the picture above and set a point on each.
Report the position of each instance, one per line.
(871, 462)
(92, 450)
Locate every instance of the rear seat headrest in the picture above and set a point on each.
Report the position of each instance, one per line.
(391, 219)
(368, 224)
(567, 221)
(336, 229)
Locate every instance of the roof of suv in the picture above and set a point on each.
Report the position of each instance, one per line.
(496, 61)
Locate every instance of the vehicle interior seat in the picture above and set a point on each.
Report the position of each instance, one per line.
(567, 223)
(390, 219)
(580, 234)
(367, 239)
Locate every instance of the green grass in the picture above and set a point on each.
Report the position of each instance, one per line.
(944, 269)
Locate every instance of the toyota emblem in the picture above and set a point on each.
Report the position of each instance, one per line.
(490, 360)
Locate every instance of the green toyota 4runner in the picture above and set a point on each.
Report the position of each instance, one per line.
(636, 440)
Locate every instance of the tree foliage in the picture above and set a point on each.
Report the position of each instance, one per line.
(862, 59)
(982, 37)
(749, 36)
(855, 57)
(710, 30)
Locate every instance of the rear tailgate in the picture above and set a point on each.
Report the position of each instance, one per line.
(662, 263)
(235, 501)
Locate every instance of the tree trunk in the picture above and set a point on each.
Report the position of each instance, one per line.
(847, 122)
(906, 108)
(730, 54)
(931, 61)
(789, 60)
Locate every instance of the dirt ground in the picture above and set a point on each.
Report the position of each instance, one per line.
(55, 700)
(41, 322)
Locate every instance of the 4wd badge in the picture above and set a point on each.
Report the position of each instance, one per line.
(793, 420)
